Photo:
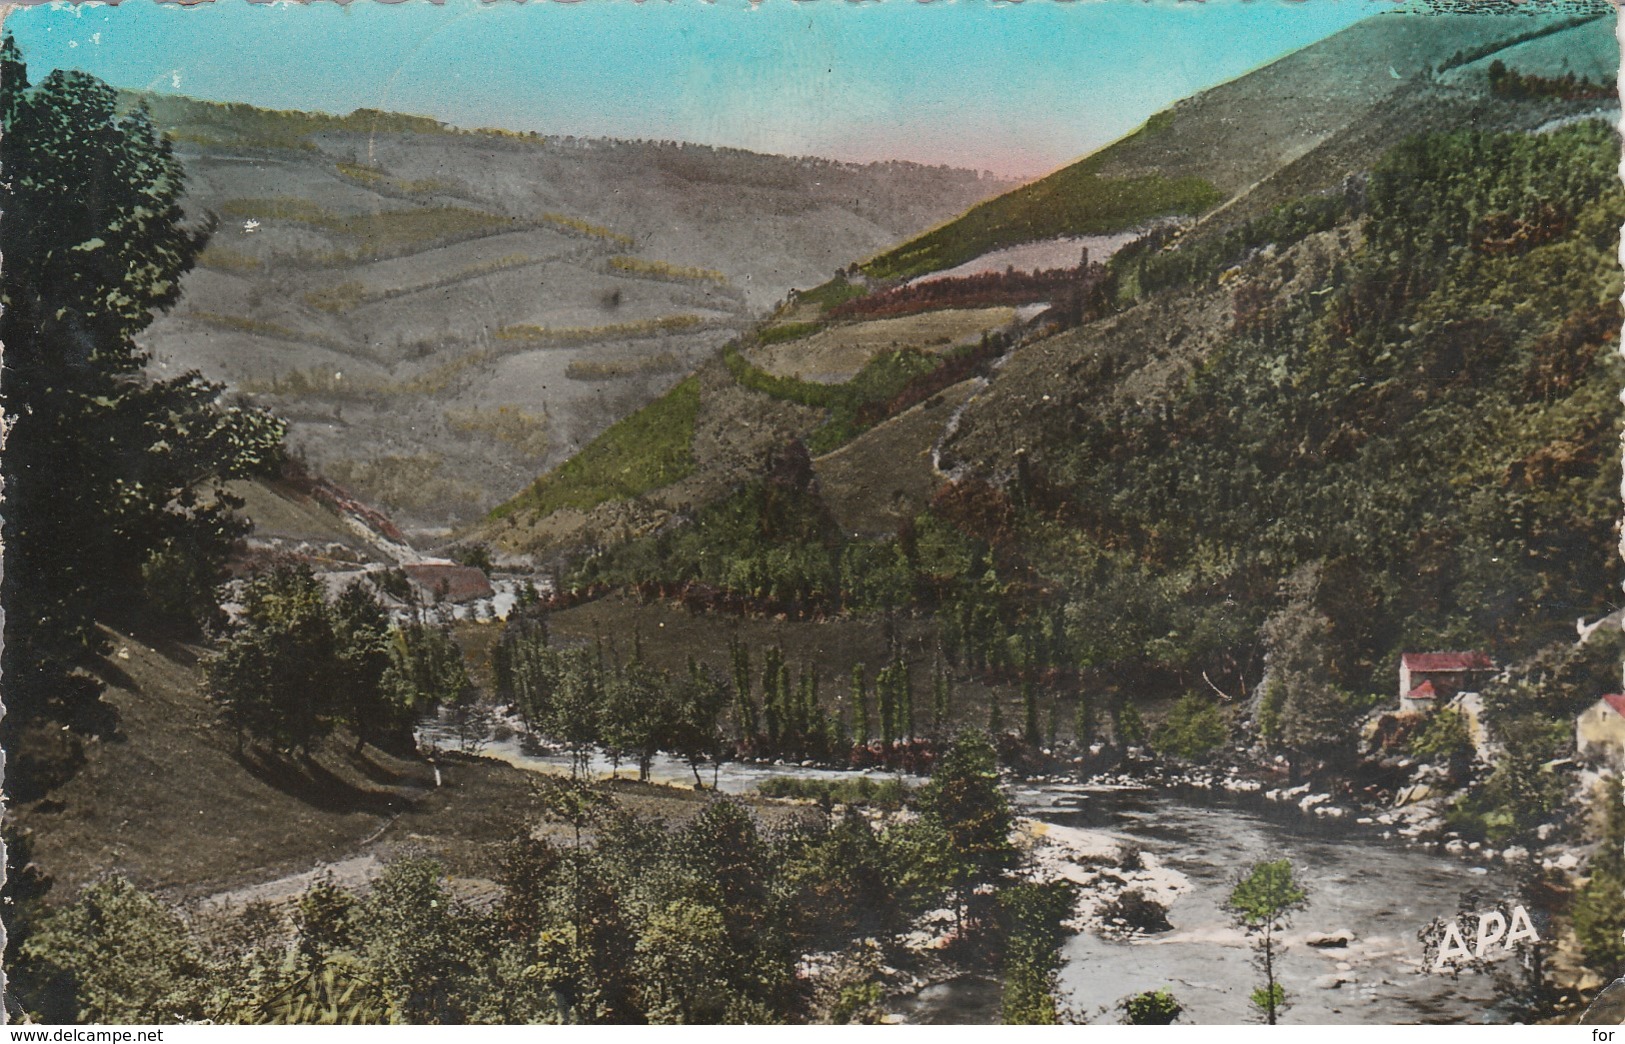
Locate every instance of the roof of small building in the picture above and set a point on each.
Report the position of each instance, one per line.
(1448, 661)
(454, 583)
(1615, 702)
(1425, 691)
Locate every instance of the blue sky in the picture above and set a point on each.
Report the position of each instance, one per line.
(1015, 88)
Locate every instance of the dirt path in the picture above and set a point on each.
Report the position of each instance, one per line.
(352, 874)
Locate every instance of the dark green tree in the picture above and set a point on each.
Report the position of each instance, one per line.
(361, 631)
(940, 696)
(964, 801)
(699, 700)
(886, 699)
(1193, 730)
(117, 954)
(774, 676)
(1599, 906)
(275, 679)
(1083, 721)
(1029, 714)
(861, 728)
(1033, 916)
(745, 721)
(116, 504)
(639, 715)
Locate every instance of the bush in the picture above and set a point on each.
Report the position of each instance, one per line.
(1194, 730)
(1443, 738)
(1151, 1008)
(1599, 922)
(1130, 726)
(116, 955)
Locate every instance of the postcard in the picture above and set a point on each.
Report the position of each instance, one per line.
(812, 513)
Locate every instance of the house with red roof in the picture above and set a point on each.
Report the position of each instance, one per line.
(1428, 681)
(1599, 731)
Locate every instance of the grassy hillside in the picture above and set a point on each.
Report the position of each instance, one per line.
(172, 806)
(1075, 201)
(651, 448)
(1283, 151)
(1214, 146)
(1385, 407)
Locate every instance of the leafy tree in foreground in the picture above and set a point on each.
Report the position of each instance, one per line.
(1033, 916)
(964, 801)
(114, 482)
(117, 954)
(273, 681)
(1303, 711)
(297, 666)
(1262, 904)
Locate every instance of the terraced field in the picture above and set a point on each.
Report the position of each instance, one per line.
(443, 314)
(836, 354)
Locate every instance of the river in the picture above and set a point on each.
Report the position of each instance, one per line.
(1380, 891)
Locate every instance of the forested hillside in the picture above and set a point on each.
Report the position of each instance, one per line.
(1371, 420)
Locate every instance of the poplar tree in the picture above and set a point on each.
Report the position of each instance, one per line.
(860, 706)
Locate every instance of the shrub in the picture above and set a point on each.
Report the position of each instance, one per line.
(1151, 1008)
(1442, 738)
(1194, 730)
(859, 790)
(116, 955)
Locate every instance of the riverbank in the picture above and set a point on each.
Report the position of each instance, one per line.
(1354, 954)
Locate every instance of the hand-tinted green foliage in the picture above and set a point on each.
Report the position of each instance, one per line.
(1193, 730)
(772, 541)
(1149, 265)
(1434, 426)
(702, 920)
(633, 709)
(298, 665)
(1262, 904)
(964, 802)
(1130, 728)
(114, 482)
(868, 791)
(1509, 83)
(1599, 906)
(426, 667)
(116, 954)
(651, 448)
(1072, 202)
(1032, 916)
(1444, 738)
(853, 404)
(835, 292)
(1523, 789)
(1151, 1008)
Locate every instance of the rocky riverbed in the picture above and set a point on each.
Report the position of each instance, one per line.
(1352, 956)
